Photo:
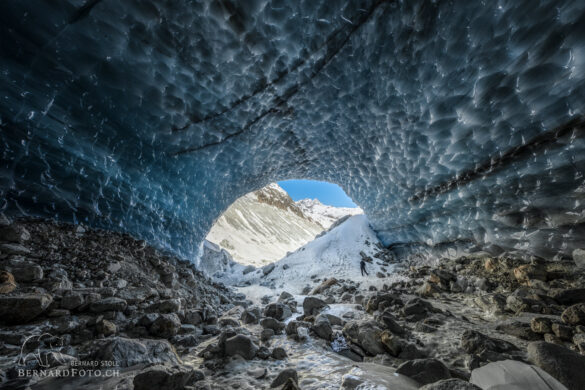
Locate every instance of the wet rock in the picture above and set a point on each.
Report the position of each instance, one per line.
(284, 376)
(129, 352)
(541, 325)
(278, 311)
(562, 363)
(272, 323)
(240, 345)
(108, 304)
(279, 353)
(193, 317)
(474, 342)
(510, 374)
(350, 382)
(7, 282)
(391, 342)
(322, 327)
(170, 378)
(105, 327)
(366, 334)
(266, 334)
(324, 286)
(424, 371)
(491, 304)
(72, 300)
(293, 329)
(579, 257)
(312, 306)
(249, 317)
(450, 384)
(416, 309)
(574, 315)
(165, 326)
(263, 353)
(520, 330)
(20, 309)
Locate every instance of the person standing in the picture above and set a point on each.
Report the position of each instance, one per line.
(363, 267)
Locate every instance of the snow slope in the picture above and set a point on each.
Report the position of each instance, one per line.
(325, 215)
(263, 226)
(334, 254)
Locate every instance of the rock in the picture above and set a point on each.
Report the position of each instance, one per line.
(322, 327)
(381, 301)
(491, 304)
(416, 309)
(27, 273)
(392, 343)
(579, 257)
(474, 342)
(263, 353)
(366, 334)
(285, 296)
(272, 323)
(563, 332)
(228, 321)
(193, 317)
(279, 353)
(450, 384)
(14, 249)
(165, 326)
(7, 282)
(278, 311)
(266, 334)
(240, 345)
(72, 300)
(165, 306)
(574, 315)
(541, 325)
(268, 268)
(290, 384)
(441, 278)
(527, 272)
(350, 382)
(566, 366)
(569, 296)
(129, 352)
(294, 329)
(248, 317)
(168, 378)
(135, 295)
(21, 309)
(424, 371)
(248, 269)
(520, 330)
(312, 306)
(14, 233)
(428, 290)
(511, 374)
(105, 327)
(108, 304)
(324, 286)
(284, 376)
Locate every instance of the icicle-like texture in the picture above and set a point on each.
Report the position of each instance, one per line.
(443, 120)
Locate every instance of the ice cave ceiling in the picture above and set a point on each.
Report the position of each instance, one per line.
(443, 120)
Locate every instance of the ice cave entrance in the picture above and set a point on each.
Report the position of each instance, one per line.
(265, 225)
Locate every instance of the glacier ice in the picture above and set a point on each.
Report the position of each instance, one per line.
(444, 121)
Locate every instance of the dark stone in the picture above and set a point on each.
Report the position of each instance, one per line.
(424, 371)
(240, 345)
(285, 375)
(566, 366)
(312, 306)
(574, 315)
(450, 384)
(278, 311)
(20, 309)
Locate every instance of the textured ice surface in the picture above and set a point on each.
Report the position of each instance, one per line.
(442, 120)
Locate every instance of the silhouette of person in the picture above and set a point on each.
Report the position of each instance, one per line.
(363, 268)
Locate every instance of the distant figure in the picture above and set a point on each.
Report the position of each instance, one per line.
(363, 268)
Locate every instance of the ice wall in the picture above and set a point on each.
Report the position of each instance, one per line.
(457, 120)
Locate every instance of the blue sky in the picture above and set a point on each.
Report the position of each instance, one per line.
(327, 193)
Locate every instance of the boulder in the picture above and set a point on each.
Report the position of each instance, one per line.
(193, 317)
(527, 272)
(392, 343)
(135, 295)
(165, 326)
(14, 233)
(20, 309)
(105, 327)
(574, 315)
(424, 371)
(129, 352)
(366, 334)
(566, 366)
(165, 306)
(279, 353)
(279, 311)
(72, 300)
(416, 309)
(450, 384)
(268, 268)
(274, 324)
(285, 296)
(541, 325)
(169, 378)
(474, 342)
(284, 376)
(520, 330)
(563, 332)
(240, 345)
(249, 317)
(381, 301)
(108, 304)
(27, 273)
(322, 327)
(312, 306)
(569, 296)
(511, 374)
(324, 286)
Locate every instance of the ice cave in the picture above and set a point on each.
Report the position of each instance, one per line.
(444, 121)
(127, 129)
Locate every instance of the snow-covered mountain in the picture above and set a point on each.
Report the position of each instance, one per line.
(325, 215)
(264, 225)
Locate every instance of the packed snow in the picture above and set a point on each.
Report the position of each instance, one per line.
(325, 215)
